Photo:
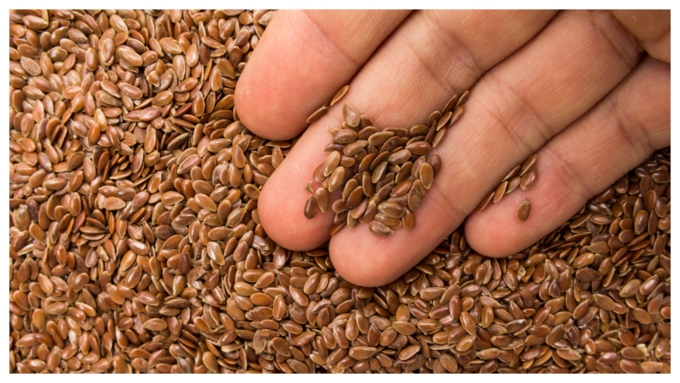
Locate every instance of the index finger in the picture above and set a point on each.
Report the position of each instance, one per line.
(301, 61)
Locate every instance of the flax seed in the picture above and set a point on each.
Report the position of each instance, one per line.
(322, 199)
(310, 207)
(350, 115)
(379, 229)
(529, 178)
(340, 94)
(524, 210)
(500, 192)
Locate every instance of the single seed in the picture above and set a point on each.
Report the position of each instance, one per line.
(331, 163)
(392, 209)
(336, 179)
(323, 199)
(317, 115)
(344, 136)
(500, 192)
(462, 99)
(379, 172)
(310, 207)
(438, 137)
(426, 175)
(408, 220)
(513, 183)
(340, 94)
(527, 164)
(350, 115)
(449, 107)
(355, 147)
(457, 114)
(419, 148)
(401, 188)
(524, 210)
(416, 195)
(529, 178)
(355, 197)
(113, 203)
(379, 229)
(378, 139)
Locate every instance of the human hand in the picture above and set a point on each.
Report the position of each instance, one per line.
(589, 92)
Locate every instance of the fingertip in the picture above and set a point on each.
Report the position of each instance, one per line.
(497, 232)
(490, 233)
(301, 62)
(367, 260)
(262, 103)
(272, 94)
(281, 211)
(363, 259)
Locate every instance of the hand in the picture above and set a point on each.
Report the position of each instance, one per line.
(589, 92)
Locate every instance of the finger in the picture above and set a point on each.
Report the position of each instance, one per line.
(479, 37)
(652, 28)
(614, 137)
(434, 55)
(514, 109)
(301, 61)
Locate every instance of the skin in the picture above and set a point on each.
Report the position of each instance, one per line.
(588, 91)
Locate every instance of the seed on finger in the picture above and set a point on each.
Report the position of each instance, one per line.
(366, 121)
(350, 115)
(528, 164)
(310, 207)
(450, 104)
(340, 94)
(344, 136)
(485, 201)
(438, 137)
(379, 229)
(420, 148)
(336, 179)
(523, 176)
(416, 195)
(377, 139)
(434, 117)
(359, 210)
(331, 163)
(382, 175)
(500, 192)
(462, 99)
(436, 163)
(339, 206)
(457, 114)
(426, 175)
(337, 227)
(512, 173)
(349, 188)
(513, 183)
(317, 114)
(408, 220)
(322, 199)
(524, 210)
(392, 209)
(529, 178)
